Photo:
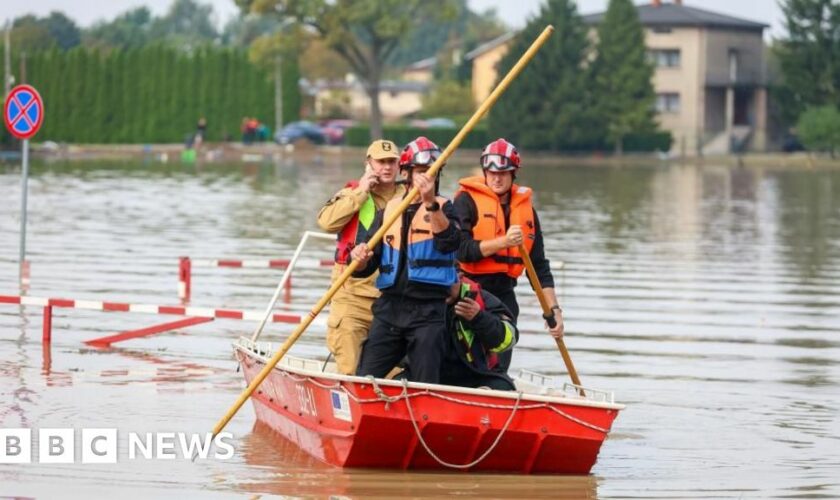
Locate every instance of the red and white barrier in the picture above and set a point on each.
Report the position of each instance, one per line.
(199, 312)
(276, 263)
(186, 264)
(192, 312)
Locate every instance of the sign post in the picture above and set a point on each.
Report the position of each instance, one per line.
(23, 113)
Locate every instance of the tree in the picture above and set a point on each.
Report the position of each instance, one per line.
(810, 56)
(128, 30)
(187, 25)
(819, 129)
(448, 98)
(30, 34)
(278, 54)
(622, 75)
(63, 30)
(319, 61)
(546, 107)
(363, 32)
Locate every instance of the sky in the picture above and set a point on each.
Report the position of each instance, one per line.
(514, 12)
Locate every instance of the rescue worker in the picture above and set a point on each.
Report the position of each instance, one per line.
(496, 216)
(350, 213)
(480, 328)
(416, 270)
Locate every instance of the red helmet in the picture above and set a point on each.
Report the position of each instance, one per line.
(420, 152)
(500, 156)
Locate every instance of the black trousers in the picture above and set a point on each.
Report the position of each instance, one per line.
(403, 326)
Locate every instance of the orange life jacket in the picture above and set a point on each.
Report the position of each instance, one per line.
(490, 224)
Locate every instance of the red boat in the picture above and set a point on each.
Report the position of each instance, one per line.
(351, 421)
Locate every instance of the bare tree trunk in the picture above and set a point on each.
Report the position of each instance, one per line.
(373, 94)
(375, 113)
(619, 146)
(278, 94)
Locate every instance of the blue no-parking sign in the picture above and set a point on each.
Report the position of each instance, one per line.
(23, 111)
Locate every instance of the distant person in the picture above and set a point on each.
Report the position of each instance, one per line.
(496, 216)
(479, 328)
(350, 213)
(263, 132)
(416, 270)
(200, 133)
(249, 130)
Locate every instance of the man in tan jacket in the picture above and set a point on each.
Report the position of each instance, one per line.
(350, 213)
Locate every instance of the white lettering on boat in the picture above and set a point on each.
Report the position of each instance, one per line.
(306, 399)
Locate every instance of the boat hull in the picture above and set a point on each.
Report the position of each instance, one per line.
(354, 422)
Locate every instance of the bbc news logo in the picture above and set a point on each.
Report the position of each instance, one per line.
(100, 446)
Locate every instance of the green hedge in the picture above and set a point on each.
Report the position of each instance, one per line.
(152, 94)
(402, 135)
(479, 137)
(648, 142)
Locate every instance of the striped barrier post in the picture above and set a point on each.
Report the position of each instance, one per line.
(46, 337)
(184, 278)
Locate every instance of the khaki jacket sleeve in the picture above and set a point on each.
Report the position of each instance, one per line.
(340, 209)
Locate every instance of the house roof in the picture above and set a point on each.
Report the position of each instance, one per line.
(672, 14)
(492, 44)
(422, 64)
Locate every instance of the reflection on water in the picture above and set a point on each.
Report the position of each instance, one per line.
(708, 298)
(293, 472)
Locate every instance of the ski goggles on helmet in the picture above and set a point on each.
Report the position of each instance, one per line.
(497, 163)
(425, 158)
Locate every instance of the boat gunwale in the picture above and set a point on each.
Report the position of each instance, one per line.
(512, 395)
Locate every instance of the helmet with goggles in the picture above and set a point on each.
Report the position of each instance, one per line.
(500, 156)
(420, 152)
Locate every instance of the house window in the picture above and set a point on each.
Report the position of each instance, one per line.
(664, 58)
(668, 102)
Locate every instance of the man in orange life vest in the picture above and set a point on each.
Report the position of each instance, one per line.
(497, 216)
(350, 213)
(416, 263)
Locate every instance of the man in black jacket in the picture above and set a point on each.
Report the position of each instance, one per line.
(479, 327)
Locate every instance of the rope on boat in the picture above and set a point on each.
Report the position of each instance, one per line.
(382, 397)
(440, 460)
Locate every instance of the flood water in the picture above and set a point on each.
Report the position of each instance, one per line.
(707, 298)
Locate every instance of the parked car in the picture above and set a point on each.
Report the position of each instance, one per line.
(334, 130)
(440, 123)
(296, 131)
(432, 123)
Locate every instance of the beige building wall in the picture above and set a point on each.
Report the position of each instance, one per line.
(685, 80)
(484, 72)
(418, 75)
(394, 105)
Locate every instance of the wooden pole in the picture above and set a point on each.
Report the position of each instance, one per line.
(386, 224)
(548, 315)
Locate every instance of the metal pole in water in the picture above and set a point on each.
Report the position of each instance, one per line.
(23, 191)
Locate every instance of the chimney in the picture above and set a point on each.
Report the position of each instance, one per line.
(677, 2)
(657, 3)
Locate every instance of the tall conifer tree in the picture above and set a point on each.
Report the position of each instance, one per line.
(545, 108)
(622, 89)
(810, 55)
